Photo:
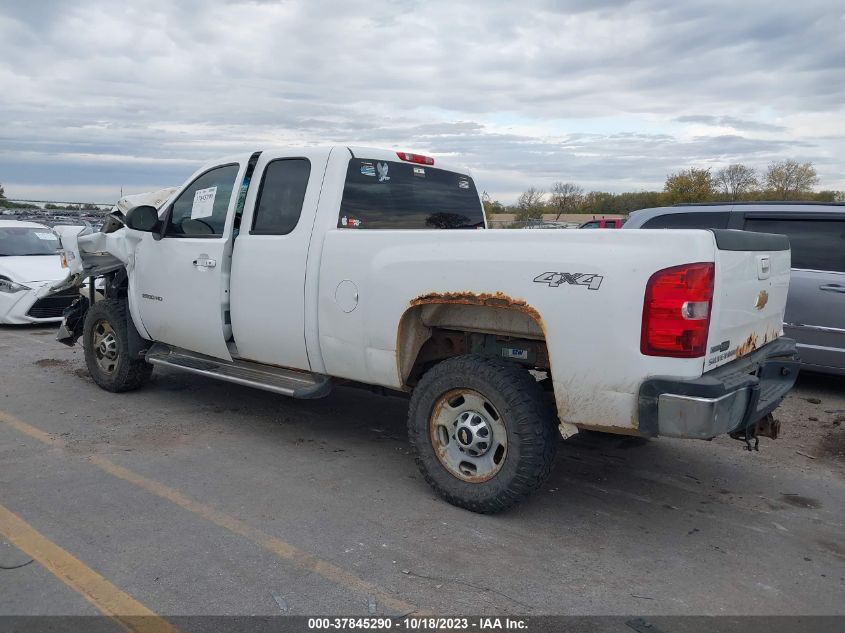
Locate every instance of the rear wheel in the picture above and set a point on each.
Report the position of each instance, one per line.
(482, 432)
(105, 340)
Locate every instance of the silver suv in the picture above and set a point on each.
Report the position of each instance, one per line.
(815, 308)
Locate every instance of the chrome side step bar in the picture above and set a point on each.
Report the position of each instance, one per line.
(288, 382)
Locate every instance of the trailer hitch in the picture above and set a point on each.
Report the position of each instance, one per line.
(767, 426)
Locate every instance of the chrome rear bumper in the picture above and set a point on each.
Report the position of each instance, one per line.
(725, 400)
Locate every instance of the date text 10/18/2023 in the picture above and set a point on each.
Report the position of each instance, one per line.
(418, 624)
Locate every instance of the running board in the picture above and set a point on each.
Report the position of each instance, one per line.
(288, 382)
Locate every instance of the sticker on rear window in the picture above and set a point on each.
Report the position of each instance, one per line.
(349, 222)
(463, 183)
(44, 236)
(382, 172)
(419, 172)
(368, 169)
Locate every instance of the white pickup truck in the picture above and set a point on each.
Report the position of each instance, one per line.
(297, 269)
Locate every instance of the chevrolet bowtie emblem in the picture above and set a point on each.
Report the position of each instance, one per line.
(762, 300)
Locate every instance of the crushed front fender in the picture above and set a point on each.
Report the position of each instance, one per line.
(73, 319)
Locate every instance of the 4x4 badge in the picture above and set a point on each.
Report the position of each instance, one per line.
(591, 280)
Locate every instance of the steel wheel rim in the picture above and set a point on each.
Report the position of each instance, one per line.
(468, 435)
(105, 346)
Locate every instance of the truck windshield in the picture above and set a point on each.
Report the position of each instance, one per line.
(398, 195)
(17, 241)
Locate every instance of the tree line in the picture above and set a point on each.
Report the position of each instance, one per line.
(8, 204)
(781, 180)
(82, 206)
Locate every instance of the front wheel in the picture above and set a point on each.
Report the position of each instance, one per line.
(482, 432)
(106, 343)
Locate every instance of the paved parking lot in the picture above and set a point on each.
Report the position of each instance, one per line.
(192, 496)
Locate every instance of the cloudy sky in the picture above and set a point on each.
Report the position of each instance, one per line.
(96, 95)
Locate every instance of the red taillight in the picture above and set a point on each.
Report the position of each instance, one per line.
(415, 158)
(676, 311)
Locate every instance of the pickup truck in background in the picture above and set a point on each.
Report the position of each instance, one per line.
(292, 270)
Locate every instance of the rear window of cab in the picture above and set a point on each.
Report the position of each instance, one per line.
(399, 195)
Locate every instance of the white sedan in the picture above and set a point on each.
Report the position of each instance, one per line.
(29, 266)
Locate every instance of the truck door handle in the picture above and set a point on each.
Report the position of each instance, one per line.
(832, 288)
(205, 262)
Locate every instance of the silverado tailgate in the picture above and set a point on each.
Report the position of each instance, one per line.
(752, 280)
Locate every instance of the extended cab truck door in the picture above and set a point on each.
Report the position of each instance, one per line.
(270, 254)
(180, 283)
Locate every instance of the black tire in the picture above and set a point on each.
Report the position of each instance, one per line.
(125, 373)
(518, 401)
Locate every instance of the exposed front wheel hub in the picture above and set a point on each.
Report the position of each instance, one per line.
(105, 346)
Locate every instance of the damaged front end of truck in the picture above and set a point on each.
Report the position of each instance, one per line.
(103, 259)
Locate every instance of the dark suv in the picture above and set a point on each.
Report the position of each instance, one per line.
(815, 308)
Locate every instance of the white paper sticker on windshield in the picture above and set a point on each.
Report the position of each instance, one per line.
(203, 205)
(44, 236)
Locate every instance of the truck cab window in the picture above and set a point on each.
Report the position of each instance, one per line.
(398, 195)
(200, 210)
(280, 197)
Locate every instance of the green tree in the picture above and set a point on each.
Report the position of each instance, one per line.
(530, 205)
(597, 202)
(736, 180)
(2, 192)
(491, 207)
(689, 185)
(826, 196)
(634, 200)
(790, 180)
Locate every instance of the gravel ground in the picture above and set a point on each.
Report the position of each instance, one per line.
(813, 421)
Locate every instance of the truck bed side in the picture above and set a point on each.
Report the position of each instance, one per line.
(373, 281)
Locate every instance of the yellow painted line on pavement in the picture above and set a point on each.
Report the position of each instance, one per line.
(110, 600)
(28, 429)
(280, 548)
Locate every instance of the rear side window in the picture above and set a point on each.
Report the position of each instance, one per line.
(591, 225)
(693, 220)
(280, 196)
(397, 195)
(816, 244)
(200, 210)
